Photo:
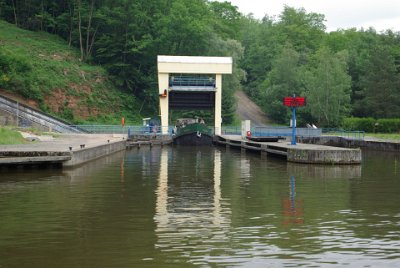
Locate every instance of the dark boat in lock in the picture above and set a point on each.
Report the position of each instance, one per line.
(192, 131)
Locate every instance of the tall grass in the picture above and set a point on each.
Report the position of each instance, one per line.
(9, 136)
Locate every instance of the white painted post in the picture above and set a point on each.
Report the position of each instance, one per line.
(218, 104)
(246, 126)
(164, 103)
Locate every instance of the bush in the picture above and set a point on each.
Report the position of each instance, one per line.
(360, 124)
(391, 125)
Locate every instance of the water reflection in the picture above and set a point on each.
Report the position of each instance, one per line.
(207, 207)
(191, 220)
(292, 207)
(82, 172)
(325, 171)
(227, 215)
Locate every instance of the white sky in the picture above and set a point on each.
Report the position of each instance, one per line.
(343, 14)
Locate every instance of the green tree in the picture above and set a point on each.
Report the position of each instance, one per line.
(261, 46)
(185, 30)
(227, 20)
(327, 87)
(230, 83)
(305, 31)
(283, 80)
(381, 86)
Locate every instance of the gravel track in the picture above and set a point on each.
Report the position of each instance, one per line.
(247, 110)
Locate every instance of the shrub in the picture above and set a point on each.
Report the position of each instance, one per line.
(391, 125)
(361, 124)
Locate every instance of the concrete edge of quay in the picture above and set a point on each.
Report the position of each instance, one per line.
(321, 156)
(67, 151)
(386, 146)
(303, 153)
(88, 154)
(72, 150)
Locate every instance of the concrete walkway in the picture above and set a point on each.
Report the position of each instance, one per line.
(67, 149)
(300, 153)
(63, 142)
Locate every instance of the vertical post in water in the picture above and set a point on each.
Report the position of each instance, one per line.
(293, 126)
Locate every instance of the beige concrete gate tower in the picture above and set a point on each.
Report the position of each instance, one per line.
(185, 82)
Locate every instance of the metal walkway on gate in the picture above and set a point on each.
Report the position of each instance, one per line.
(204, 83)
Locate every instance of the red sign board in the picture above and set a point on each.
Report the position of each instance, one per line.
(294, 101)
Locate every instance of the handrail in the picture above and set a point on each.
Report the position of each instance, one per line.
(348, 134)
(188, 81)
(25, 112)
(35, 110)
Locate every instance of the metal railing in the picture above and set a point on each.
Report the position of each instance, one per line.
(285, 132)
(119, 129)
(273, 131)
(28, 114)
(231, 130)
(191, 81)
(348, 134)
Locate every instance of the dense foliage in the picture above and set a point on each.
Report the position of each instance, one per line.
(43, 69)
(342, 73)
(371, 125)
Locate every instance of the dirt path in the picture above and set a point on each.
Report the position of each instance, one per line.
(248, 110)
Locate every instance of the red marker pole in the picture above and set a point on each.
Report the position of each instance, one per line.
(123, 121)
(293, 103)
(293, 125)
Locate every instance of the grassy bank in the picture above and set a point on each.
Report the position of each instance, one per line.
(9, 136)
(41, 70)
(384, 136)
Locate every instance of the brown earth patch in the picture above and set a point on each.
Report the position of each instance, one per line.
(28, 102)
(59, 100)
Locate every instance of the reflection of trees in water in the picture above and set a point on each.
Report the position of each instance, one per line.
(375, 199)
(263, 216)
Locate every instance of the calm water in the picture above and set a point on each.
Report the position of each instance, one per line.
(208, 207)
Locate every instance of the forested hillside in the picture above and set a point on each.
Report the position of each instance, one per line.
(343, 73)
(39, 69)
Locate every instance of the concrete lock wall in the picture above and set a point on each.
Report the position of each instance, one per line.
(352, 143)
(88, 154)
(324, 156)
